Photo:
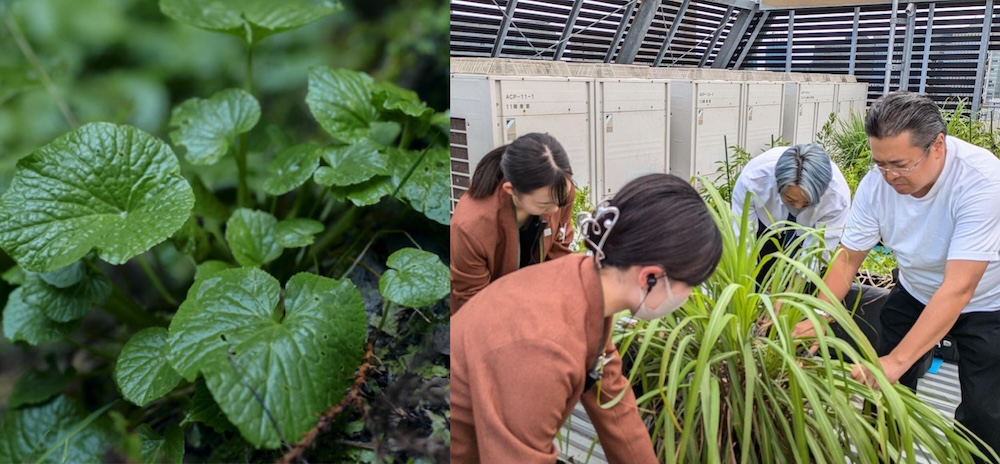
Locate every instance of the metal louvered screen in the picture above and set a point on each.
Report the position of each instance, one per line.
(940, 55)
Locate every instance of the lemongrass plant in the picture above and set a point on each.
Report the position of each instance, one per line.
(724, 380)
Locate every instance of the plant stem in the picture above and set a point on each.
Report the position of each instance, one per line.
(248, 78)
(361, 255)
(300, 196)
(385, 314)
(243, 192)
(408, 174)
(347, 221)
(155, 280)
(29, 54)
(407, 137)
(357, 261)
(124, 309)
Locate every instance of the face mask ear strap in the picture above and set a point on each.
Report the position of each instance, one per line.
(600, 223)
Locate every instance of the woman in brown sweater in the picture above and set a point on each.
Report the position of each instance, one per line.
(516, 213)
(525, 349)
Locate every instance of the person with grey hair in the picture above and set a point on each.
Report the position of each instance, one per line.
(934, 201)
(799, 184)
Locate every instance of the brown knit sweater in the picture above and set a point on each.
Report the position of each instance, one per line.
(520, 352)
(484, 242)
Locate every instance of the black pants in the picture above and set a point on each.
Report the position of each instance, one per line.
(771, 246)
(865, 304)
(977, 336)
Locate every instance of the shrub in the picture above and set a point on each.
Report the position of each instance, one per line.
(721, 383)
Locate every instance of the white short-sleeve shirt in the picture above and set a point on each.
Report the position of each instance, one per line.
(757, 179)
(958, 219)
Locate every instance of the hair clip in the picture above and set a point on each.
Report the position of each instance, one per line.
(599, 223)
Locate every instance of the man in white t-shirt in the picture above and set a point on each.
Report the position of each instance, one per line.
(934, 201)
(797, 184)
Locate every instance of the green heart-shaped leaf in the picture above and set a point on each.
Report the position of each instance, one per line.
(208, 127)
(70, 303)
(210, 267)
(252, 237)
(142, 371)
(65, 276)
(297, 361)
(295, 233)
(415, 279)
(251, 20)
(393, 97)
(341, 101)
(352, 164)
(27, 434)
(37, 386)
(385, 133)
(369, 192)
(24, 322)
(191, 239)
(204, 409)
(292, 168)
(427, 189)
(104, 186)
(156, 448)
(206, 203)
(15, 275)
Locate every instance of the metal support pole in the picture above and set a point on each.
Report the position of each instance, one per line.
(508, 16)
(927, 47)
(626, 16)
(892, 46)
(854, 40)
(911, 19)
(984, 42)
(678, 18)
(753, 38)
(568, 30)
(633, 40)
(734, 38)
(715, 37)
(791, 30)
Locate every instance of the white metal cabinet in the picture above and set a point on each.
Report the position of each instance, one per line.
(704, 121)
(632, 132)
(808, 107)
(496, 110)
(852, 97)
(763, 106)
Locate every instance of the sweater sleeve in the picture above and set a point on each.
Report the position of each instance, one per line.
(561, 247)
(469, 269)
(519, 404)
(622, 434)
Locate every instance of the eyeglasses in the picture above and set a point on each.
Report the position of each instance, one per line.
(905, 171)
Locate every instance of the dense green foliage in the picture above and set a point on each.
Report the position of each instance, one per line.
(200, 283)
(724, 380)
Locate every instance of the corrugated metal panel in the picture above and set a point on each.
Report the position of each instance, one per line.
(821, 39)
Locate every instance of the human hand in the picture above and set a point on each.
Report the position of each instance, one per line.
(891, 367)
(862, 374)
(804, 329)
